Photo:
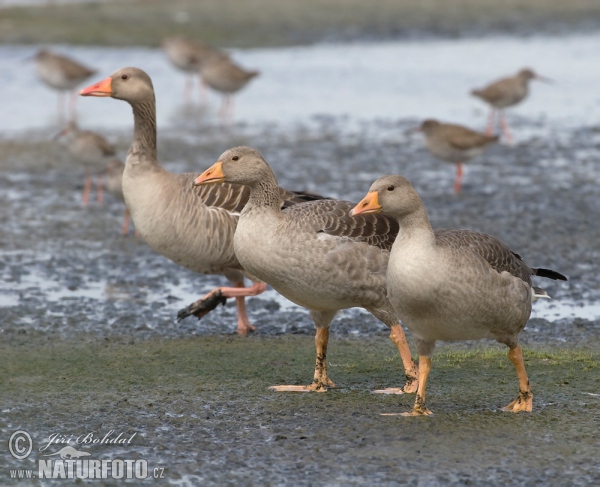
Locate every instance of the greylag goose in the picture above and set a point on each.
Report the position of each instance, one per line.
(62, 74)
(226, 77)
(193, 227)
(114, 185)
(453, 284)
(188, 55)
(455, 144)
(91, 149)
(504, 93)
(313, 254)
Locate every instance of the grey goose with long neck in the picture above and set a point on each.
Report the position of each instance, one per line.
(314, 254)
(193, 227)
(453, 284)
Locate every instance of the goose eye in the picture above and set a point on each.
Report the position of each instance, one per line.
(391, 188)
(124, 76)
(235, 158)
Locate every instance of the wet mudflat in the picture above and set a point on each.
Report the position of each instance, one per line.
(89, 342)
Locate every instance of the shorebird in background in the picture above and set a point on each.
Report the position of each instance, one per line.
(62, 74)
(189, 55)
(503, 93)
(91, 149)
(455, 144)
(226, 77)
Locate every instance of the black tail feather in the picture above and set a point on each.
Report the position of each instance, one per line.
(550, 274)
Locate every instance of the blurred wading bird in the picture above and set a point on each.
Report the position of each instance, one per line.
(193, 227)
(314, 254)
(453, 284)
(92, 150)
(455, 144)
(504, 93)
(62, 74)
(189, 56)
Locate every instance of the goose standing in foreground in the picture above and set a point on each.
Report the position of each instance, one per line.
(114, 185)
(226, 77)
(314, 255)
(453, 284)
(62, 74)
(455, 144)
(91, 149)
(503, 93)
(193, 227)
(189, 55)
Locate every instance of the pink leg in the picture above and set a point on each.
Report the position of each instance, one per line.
(125, 228)
(60, 108)
(229, 114)
(458, 180)
(489, 130)
(187, 92)
(87, 187)
(73, 106)
(100, 189)
(504, 127)
(239, 292)
(203, 91)
(223, 109)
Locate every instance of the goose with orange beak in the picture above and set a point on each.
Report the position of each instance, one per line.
(453, 284)
(191, 226)
(314, 254)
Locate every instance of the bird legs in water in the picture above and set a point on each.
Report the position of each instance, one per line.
(219, 295)
(87, 189)
(489, 130)
(525, 400)
(410, 367)
(320, 381)
(458, 180)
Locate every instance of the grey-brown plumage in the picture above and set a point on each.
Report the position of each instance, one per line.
(63, 74)
(505, 93)
(60, 72)
(192, 226)
(455, 144)
(91, 149)
(226, 77)
(190, 55)
(453, 284)
(314, 254)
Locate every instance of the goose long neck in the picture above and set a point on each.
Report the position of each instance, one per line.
(144, 128)
(416, 225)
(265, 193)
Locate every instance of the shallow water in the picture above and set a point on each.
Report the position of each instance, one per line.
(407, 80)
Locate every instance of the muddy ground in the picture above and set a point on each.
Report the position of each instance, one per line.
(89, 341)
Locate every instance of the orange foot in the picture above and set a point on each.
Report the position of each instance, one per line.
(522, 403)
(316, 386)
(414, 412)
(412, 384)
(244, 327)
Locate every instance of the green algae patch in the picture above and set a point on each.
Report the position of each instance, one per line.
(202, 407)
(460, 379)
(252, 23)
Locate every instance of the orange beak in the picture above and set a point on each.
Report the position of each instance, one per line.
(214, 174)
(103, 88)
(369, 204)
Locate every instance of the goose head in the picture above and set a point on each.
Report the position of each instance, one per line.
(240, 165)
(393, 195)
(129, 84)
